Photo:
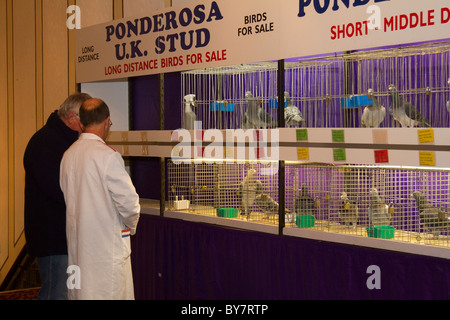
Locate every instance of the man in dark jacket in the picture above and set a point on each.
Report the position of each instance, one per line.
(45, 210)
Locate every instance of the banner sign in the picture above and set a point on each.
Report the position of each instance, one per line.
(228, 32)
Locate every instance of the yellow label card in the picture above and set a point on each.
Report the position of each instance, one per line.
(427, 159)
(426, 135)
(302, 153)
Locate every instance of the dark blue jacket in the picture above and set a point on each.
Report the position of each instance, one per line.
(45, 209)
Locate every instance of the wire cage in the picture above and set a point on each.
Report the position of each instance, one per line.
(404, 204)
(244, 191)
(397, 203)
(341, 90)
(221, 95)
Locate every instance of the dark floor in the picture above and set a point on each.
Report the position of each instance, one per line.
(24, 281)
(23, 294)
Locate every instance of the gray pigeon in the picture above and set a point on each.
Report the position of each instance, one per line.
(433, 218)
(304, 204)
(378, 211)
(255, 115)
(404, 112)
(268, 205)
(348, 212)
(249, 189)
(292, 115)
(245, 123)
(189, 115)
(373, 114)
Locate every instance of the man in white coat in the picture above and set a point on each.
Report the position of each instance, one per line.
(102, 211)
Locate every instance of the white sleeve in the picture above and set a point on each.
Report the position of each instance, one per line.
(123, 192)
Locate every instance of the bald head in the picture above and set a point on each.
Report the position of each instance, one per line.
(93, 112)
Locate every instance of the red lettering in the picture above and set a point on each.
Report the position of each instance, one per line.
(349, 30)
(445, 15)
(413, 20)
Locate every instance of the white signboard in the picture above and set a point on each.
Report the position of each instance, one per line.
(227, 32)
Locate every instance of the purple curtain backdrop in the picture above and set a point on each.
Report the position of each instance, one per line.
(179, 260)
(145, 116)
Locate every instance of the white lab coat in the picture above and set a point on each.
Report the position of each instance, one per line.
(102, 204)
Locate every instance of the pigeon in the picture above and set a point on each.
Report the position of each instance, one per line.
(378, 211)
(189, 115)
(373, 114)
(448, 101)
(304, 204)
(255, 115)
(268, 205)
(404, 112)
(433, 218)
(348, 212)
(249, 189)
(292, 115)
(245, 123)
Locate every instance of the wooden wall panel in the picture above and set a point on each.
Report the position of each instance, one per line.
(55, 55)
(136, 7)
(95, 11)
(24, 98)
(3, 135)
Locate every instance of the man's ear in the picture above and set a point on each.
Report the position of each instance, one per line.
(71, 117)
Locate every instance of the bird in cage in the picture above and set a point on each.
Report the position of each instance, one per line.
(255, 116)
(249, 189)
(189, 116)
(245, 124)
(292, 115)
(433, 218)
(379, 213)
(270, 206)
(304, 203)
(348, 212)
(373, 114)
(448, 101)
(405, 112)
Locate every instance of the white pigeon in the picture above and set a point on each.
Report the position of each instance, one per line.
(292, 115)
(404, 112)
(378, 211)
(348, 212)
(189, 115)
(373, 114)
(249, 189)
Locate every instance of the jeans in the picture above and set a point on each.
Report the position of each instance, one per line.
(53, 271)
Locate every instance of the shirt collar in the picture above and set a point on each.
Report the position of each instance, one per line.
(90, 136)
